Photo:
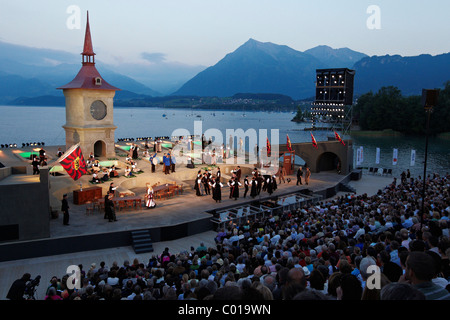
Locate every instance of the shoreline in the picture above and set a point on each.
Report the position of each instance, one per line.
(375, 133)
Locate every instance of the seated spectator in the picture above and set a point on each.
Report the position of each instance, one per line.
(420, 270)
(401, 291)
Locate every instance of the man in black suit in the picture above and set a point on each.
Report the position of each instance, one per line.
(65, 210)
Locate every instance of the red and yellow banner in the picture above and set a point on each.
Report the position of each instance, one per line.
(314, 142)
(338, 137)
(288, 143)
(73, 162)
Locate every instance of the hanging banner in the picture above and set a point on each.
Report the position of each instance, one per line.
(362, 154)
(395, 157)
(314, 142)
(377, 156)
(413, 157)
(358, 156)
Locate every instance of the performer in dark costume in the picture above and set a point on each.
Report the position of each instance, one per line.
(260, 180)
(230, 184)
(238, 173)
(246, 186)
(35, 164)
(217, 190)
(65, 210)
(206, 181)
(112, 188)
(254, 187)
(135, 152)
(269, 184)
(218, 175)
(107, 207)
(274, 183)
(265, 183)
(198, 181)
(111, 209)
(234, 189)
(299, 175)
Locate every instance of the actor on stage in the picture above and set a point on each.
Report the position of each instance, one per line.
(106, 205)
(95, 178)
(307, 175)
(254, 187)
(149, 199)
(218, 174)
(198, 182)
(234, 188)
(112, 188)
(282, 173)
(260, 180)
(238, 173)
(65, 210)
(166, 161)
(113, 172)
(217, 190)
(35, 164)
(135, 152)
(154, 161)
(173, 162)
(205, 181)
(128, 172)
(299, 175)
(274, 183)
(246, 186)
(111, 209)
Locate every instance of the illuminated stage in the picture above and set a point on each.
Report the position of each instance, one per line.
(181, 216)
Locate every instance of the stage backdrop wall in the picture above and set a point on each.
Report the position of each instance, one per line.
(25, 210)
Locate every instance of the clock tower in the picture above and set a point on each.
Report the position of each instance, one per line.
(89, 107)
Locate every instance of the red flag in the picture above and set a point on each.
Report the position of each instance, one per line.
(73, 162)
(288, 143)
(314, 142)
(338, 137)
(268, 148)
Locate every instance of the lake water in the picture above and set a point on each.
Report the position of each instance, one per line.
(36, 124)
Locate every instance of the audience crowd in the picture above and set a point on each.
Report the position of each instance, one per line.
(352, 247)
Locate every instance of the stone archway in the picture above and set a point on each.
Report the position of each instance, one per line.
(327, 161)
(99, 148)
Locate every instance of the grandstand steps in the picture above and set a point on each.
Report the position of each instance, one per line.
(141, 241)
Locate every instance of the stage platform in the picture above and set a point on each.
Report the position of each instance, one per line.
(181, 216)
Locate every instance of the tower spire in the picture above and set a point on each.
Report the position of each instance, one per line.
(88, 52)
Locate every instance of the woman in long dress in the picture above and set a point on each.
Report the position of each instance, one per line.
(149, 199)
(235, 193)
(198, 183)
(253, 189)
(217, 190)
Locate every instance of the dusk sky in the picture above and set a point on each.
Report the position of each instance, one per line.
(201, 32)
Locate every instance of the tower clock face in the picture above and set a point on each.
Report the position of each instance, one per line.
(98, 110)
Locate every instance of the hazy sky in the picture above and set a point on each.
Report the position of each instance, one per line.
(201, 32)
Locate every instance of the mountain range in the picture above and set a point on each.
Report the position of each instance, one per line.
(32, 74)
(259, 67)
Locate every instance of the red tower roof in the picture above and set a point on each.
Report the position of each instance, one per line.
(88, 77)
(88, 50)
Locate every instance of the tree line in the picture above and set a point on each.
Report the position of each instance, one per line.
(389, 109)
